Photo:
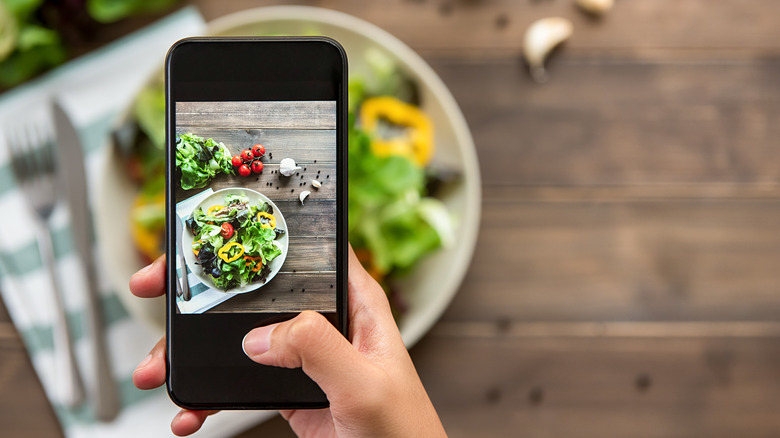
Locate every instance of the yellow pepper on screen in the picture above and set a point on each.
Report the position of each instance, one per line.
(214, 208)
(223, 252)
(271, 220)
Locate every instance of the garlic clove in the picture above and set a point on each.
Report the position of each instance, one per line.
(287, 167)
(316, 183)
(541, 37)
(595, 7)
(304, 194)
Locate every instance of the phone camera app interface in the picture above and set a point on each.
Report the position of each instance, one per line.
(255, 206)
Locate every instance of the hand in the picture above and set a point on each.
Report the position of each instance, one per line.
(369, 379)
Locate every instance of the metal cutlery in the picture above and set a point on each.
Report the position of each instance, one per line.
(185, 284)
(33, 163)
(104, 394)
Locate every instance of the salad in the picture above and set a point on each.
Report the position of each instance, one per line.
(234, 243)
(199, 160)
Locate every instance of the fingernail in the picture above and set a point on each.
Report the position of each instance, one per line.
(258, 341)
(146, 268)
(145, 362)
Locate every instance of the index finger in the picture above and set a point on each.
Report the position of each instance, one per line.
(149, 282)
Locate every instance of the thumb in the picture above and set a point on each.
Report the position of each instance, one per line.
(310, 342)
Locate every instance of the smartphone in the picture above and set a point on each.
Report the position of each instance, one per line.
(256, 210)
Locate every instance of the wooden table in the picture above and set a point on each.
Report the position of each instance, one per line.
(626, 279)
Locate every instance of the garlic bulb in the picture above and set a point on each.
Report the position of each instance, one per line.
(541, 37)
(304, 194)
(595, 7)
(287, 167)
(316, 183)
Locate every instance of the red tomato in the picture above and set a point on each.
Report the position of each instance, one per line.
(257, 166)
(247, 156)
(258, 150)
(237, 161)
(227, 230)
(244, 170)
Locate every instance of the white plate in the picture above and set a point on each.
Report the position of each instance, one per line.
(218, 198)
(433, 283)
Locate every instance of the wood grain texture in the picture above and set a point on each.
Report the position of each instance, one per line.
(612, 121)
(496, 28)
(276, 186)
(262, 115)
(623, 260)
(314, 291)
(556, 386)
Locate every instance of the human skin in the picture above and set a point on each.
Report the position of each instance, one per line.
(369, 379)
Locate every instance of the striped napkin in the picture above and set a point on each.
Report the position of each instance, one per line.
(94, 89)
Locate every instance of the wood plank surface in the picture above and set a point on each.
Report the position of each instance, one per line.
(609, 121)
(263, 115)
(296, 291)
(277, 187)
(602, 386)
(496, 28)
(624, 259)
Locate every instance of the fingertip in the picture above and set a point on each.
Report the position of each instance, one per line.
(149, 282)
(185, 423)
(188, 422)
(151, 372)
(149, 377)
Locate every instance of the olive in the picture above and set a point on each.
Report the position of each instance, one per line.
(215, 272)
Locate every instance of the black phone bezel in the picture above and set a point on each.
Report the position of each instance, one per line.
(225, 81)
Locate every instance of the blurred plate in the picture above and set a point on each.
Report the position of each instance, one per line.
(217, 198)
(433, 283)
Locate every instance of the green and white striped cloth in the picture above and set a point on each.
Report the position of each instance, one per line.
(94, 90)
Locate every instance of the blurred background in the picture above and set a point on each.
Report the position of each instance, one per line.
(625, 276)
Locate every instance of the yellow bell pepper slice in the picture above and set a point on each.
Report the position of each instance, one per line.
(214, 208)
(416, 142)
(271, 220)
(223, 252)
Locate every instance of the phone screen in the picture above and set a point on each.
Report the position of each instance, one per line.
(256, 196)
(257, 211)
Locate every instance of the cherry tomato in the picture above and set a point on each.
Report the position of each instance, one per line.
(258, 150)
(247, 156)
(227, 231)
(237, 161)
(257, 166)
(244, 170)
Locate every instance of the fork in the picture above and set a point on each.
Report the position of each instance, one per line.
(34, 168)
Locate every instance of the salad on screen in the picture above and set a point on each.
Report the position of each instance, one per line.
(395, 217)
(235, 243)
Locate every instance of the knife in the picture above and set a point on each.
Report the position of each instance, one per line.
(185, 284)
(104, 393)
